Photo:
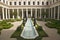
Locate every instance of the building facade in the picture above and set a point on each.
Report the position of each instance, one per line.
(29, 8)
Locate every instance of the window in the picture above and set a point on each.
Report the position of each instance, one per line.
(50, 2)
(14, 3)
(19, 3)
(53, 1)
(24, 3)
(29, 3)
(4, 1)
(10, 3)
(33, 3)
(56, 0)
(0, 0)
(46, 3)
(42, 3)
(38, 3)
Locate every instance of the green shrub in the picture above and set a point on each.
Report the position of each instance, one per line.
(18, 19)
(54, 24)
(4, 24)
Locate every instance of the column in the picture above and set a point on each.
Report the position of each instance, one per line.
(1, 0)
(45, 12)
(22, 14)
(27, 12)
(35, 13)
(51, 13)
(31, 12)
(18, 14)
(40, 13)
(9, 13)
(3, 12)
(6, 13)
(13, 13)
(58, 12)
(54, 12)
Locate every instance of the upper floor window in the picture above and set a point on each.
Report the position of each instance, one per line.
(56, 0)
(50, 2)
(29, 3)
(4, 1)
(14, 3)
(53, 1)
(46, 3)
(33, 3)
(42, 3)
(38, 3)
(10, 3)
(19, 3)
(0, 0)
(24, 3)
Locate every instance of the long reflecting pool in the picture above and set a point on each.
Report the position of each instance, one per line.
(29, 31)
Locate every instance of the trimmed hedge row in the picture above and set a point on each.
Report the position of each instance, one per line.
(4, 25)
(12, 20)
(54, 24)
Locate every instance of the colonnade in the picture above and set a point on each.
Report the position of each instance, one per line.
(54, 13)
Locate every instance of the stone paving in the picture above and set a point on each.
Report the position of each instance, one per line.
(52, 33)
(6, 33)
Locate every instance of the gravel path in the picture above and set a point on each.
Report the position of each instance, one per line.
(6, 33)
(52, 33)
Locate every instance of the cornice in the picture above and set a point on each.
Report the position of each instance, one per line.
(29, 5)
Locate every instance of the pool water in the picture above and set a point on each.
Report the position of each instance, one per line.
(29, 31)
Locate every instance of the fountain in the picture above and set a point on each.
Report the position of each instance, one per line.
(29, 31)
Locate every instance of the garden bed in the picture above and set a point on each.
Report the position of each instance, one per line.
(12, 20)
(54, 24)
(4, 25)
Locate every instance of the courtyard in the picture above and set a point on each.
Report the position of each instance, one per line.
(29, 19)
(52, 33)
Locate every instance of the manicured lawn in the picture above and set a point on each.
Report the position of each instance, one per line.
(17, 33)
(54, 24)
(4, 25)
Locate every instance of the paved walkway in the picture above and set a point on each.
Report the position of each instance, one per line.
(6, 33)
(52, 33)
